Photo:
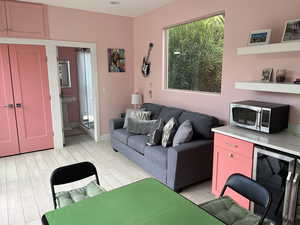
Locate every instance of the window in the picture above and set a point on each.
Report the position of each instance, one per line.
(195, 54)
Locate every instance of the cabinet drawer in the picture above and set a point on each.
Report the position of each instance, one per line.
(235, 145)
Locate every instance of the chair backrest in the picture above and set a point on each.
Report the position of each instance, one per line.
(251, 190)
(71, 173)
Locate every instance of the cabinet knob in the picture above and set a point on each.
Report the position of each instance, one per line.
(232, 145)
(230, 155)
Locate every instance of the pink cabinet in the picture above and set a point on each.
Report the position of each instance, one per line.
(27, 20)
(231, 156)
(3, 25)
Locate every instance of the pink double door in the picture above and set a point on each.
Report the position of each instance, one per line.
(25, 113)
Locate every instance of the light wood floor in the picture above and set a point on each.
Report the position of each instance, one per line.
(24, 179)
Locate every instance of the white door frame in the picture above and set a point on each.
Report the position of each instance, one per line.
(54, 82)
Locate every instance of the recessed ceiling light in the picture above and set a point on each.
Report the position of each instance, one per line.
(114, 3)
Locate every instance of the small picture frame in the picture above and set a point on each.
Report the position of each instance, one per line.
(260, 37)
(267, 75)
(291, 31)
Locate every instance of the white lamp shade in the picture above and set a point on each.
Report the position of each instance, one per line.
(136, 99)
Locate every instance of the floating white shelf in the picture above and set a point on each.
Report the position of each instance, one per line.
(269, 87)
(270, 48)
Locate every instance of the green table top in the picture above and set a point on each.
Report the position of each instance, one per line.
(146, 202)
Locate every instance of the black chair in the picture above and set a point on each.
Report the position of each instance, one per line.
(71, 173)
(250, 189)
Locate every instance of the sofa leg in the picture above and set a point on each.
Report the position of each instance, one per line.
(115, 150)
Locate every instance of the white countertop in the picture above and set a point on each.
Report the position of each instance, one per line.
(283, 141)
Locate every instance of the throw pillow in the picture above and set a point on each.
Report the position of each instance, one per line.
(184, 133)
(169, 132)
(143, 115)
(155, 135)
(131, 113)
(136, 126)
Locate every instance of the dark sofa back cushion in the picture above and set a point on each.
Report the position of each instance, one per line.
(155, 109)
(168, 112)
(202, 124)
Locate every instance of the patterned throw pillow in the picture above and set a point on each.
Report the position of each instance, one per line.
(155, 136)
(143, 115)
(140, 114)
(169, 132)
(131, 113)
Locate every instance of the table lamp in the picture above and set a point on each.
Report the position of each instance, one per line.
(136, 100)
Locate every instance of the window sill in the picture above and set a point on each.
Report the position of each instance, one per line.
(192, 92)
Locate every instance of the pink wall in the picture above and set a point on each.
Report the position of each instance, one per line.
(107, 31)
(242, 17)
(67, 53)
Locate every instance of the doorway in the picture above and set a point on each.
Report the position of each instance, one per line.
(75, 72)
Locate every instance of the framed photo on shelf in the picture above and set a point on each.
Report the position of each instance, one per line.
(267, 75)
(291, 31)
(260, 37)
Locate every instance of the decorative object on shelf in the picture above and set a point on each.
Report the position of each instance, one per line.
(280, 75)
(291, 31)
(146, 67)
(260, 37)
(297, 81)
(136, 100)
(116, 60)
(267, 75)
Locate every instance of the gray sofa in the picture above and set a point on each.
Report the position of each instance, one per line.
(178, 166)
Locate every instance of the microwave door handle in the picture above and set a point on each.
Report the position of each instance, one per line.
(286, 204)
(259, 122)
(293, 201)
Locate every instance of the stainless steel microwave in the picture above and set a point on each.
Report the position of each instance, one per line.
(260, 116)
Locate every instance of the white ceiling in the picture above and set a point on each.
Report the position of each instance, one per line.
(125, 8)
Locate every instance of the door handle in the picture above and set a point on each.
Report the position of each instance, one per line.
(18, 105)
(9, 106)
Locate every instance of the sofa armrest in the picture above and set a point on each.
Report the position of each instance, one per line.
(189, 163)
(117, 123)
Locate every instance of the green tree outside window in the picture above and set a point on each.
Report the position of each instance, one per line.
(195, 55)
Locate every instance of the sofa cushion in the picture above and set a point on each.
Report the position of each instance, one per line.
(157, 155)
(202, 124)
(121, 135)
(138, 142)
(168, 112)
(153, 108)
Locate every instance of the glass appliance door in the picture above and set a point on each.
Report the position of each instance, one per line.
(294, 207)
(245, 116)
(274, 171)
